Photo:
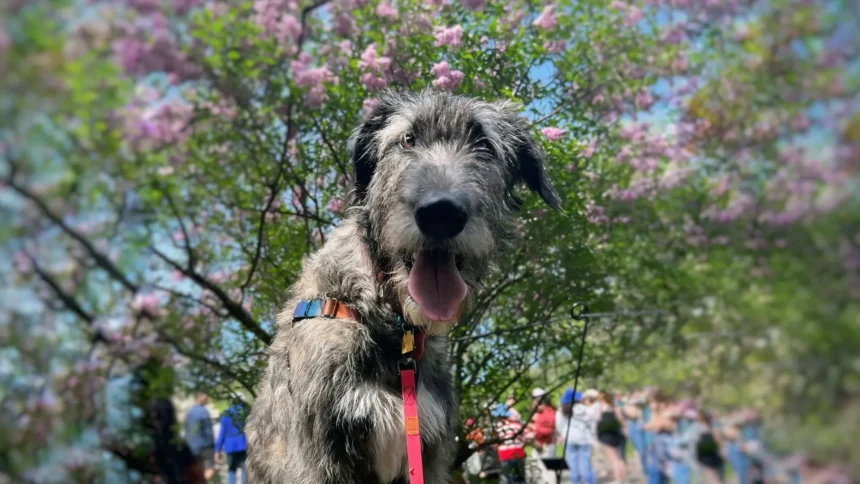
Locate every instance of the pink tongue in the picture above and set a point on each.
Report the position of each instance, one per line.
(435, 284)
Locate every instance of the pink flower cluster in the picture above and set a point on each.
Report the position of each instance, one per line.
(375, 68)
(336, 205)
(145, 303)
(595, 214)
(138, 55)
(159, 125)
(552, 133)
(555, 47)
(445, 77)
(741, 204)
(448, 36)
(386, 11)
(633, 14)
(367, 106)
(313, 79)
(276, 18)
(547, 19)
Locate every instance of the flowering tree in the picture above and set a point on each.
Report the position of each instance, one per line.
(166, 166)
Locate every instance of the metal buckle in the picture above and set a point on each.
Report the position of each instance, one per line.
(407, 347)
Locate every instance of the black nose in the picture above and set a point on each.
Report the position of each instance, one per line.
(440, 216)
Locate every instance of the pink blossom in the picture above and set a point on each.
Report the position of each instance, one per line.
(372, 82)
(313, 77)
(552, 133)
(800, 123)
(344, 25)
(386, 10)
(673, 35)
(547, 20)
(679, 64)
(741, 204)
(176, 275)
(644, 164)
(478, 82)
(449, 81)
(5, 39)
(595, 213)
(721, 186)
(336, 205)
(375, 67)
(367, 106)
(144, 6)
(145, 303)
(555, 47)
(515, 16)
(674, 177)
(589, 149)
(474, 4)
(448, 36)
(159, 125)
(183, 6)
(445, 77)
(21, 262)
(634, 15)
(618, 5)
(644, 99)
(288, 28)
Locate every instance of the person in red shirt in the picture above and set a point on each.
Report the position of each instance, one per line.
(542, 425)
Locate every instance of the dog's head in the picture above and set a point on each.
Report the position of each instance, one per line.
(435, 177)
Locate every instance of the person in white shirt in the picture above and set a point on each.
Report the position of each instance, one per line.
(574, 428)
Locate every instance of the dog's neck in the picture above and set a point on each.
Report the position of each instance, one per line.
(346, 269)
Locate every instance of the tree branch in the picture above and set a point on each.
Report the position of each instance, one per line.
(235, 309)
(100, 259)
(203, 359)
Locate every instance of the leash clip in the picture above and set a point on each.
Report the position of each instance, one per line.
(407, 347)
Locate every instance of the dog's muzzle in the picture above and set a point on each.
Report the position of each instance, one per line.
(435, 283)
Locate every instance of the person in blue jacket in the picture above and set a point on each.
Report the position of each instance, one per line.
(231, 439)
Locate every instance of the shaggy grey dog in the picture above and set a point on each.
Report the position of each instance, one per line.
(435, 176)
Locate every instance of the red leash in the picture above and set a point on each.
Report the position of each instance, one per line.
(412, 348)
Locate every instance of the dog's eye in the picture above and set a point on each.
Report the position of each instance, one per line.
(483, 145)
(407, 141)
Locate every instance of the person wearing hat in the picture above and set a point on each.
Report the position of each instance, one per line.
(574, 429)
(511, 448)
(542, 425)
(541, 432)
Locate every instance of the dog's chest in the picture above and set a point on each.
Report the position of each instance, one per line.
(388, 438)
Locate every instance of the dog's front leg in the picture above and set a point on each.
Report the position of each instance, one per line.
(338, 412)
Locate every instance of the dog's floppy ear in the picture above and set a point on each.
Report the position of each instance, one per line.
(528, 156)
(530, 159)
(364, 142)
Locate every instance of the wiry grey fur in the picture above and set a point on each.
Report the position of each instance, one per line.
(329, 407)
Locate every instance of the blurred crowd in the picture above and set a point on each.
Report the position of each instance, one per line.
(640, 436)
